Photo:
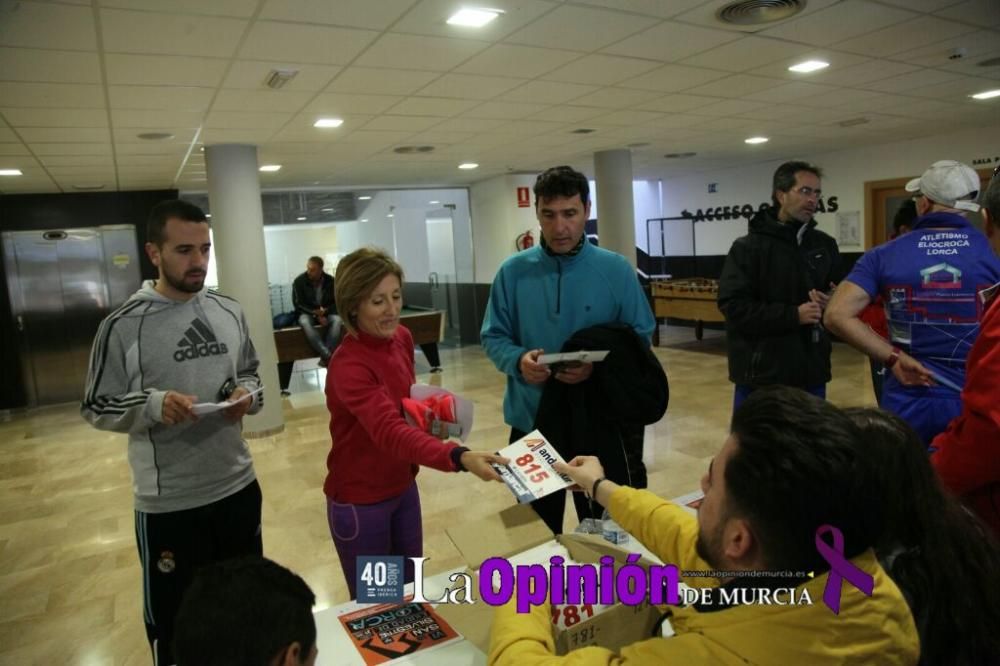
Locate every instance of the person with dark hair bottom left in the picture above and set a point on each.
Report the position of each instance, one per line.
(787, 477)
(246, 612)
(944, 559)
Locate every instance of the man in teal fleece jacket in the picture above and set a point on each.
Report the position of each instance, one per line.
(542, 295)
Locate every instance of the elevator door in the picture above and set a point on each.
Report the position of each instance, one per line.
(62, 283)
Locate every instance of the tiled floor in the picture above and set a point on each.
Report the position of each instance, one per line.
(69, 574)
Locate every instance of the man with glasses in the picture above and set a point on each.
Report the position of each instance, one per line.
(929, 280)
(773, 290)
(967, 455)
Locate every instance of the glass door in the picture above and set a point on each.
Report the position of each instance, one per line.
(443, 276)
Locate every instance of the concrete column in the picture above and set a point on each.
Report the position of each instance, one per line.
(615, 208)
(238, 232)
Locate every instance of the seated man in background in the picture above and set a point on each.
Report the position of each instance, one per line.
(929, 280)
(250, 612)
(787, 475)
(312, 295)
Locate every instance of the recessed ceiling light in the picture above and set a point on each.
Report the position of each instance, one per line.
(390, 215)
(364, 198)
(301, 218)
(468, 165)
(809, 66)
(208, 215)
(364, 219)
(155, 136)
(987, 94)
(756, 139)
(473, 18)
(329, 122)
(270, 167)
(327, 210)
(10, 172)
(432, 203)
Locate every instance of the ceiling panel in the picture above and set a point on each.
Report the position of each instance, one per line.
(615, 98)
(581, 28)
(246, 119)
(164, 70)
(47, 26)
(976, 12)
(64, 134)
(433, 106)
(470, 86)
(677, 103)
(504, 110)
(176, 98)
(748, 53)
(380, 81)
(52, 95)
(873, 70)
(337, 104)
(42, 117)
(261, 100)
(373, 14)
(670, 78)
(124, 118)
(842, 21)
(601, 70)
(670, 41)
(42, 149)
(437, 54)
(10, 149)
(901, 37)
(239, 8)
(49, 66)
(172, 34)
(517, 61)
(270, 40)
(568, 114)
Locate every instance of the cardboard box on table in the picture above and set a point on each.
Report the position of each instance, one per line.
(514, 531)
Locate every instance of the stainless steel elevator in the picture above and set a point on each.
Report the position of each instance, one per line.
(62, 283)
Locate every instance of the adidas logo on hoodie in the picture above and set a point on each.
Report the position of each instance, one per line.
(198, 342)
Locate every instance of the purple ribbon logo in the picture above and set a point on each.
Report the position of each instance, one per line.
(840, 568)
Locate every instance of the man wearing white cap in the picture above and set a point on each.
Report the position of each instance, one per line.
(929, 280)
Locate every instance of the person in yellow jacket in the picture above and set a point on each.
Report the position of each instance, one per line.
(790, 466)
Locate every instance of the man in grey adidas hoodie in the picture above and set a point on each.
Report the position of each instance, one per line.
(173, 344)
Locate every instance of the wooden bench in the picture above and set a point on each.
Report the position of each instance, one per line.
(426, 326)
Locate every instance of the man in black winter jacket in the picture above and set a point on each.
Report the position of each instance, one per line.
(312, 295)
(773, 290)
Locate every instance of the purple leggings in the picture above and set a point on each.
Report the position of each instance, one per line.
(392, 527)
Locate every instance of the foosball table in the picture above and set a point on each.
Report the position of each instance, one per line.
(692, 299)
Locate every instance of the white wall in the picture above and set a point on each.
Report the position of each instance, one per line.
(497, 221)
(845, 171)
(289, 249)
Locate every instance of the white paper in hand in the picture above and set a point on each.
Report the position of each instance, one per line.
(581, 356)
(530, 474)
(209, 407)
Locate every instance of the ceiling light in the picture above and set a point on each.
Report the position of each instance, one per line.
(391, 215)
(364, 198)
(208, 215)
(270, 167)
(10, 172)
(987, 94)
(473, 18)
(364, 219)
(809, 66)
(327, 210)
(329, 122)
(279, 77)
(301, 218)
(756, 139)
(468, 165)
(155, 136)
(433, 203)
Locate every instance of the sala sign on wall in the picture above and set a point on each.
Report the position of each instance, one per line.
(747, 211)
